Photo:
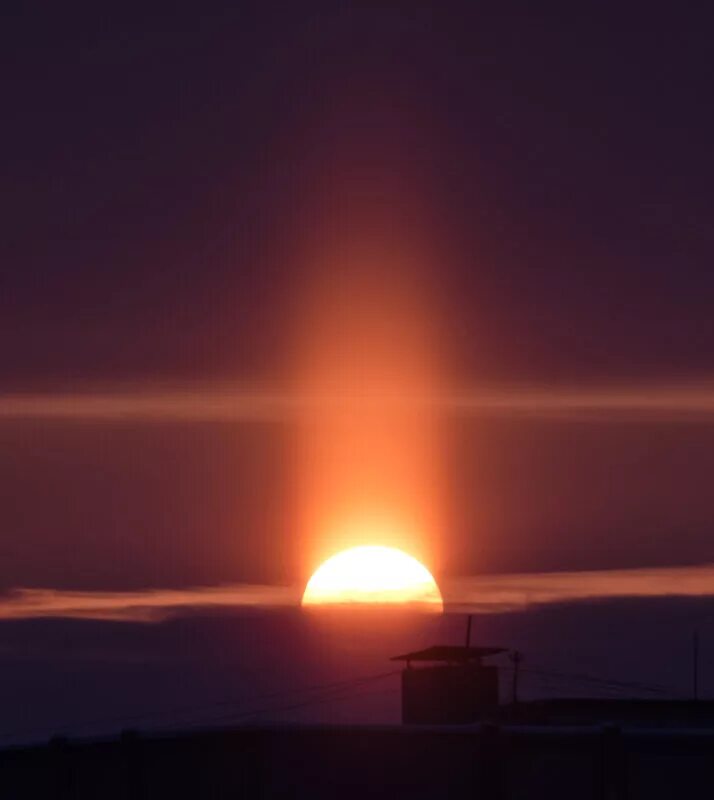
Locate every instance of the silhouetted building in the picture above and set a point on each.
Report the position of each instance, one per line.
(623, 711)
(353, 763)
(455, 688)
(620, 749)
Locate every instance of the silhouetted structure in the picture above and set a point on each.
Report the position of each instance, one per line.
(459, 689)
(353, 763)
(594, 749)
(635, 712)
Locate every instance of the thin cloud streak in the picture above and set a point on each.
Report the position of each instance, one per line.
(494, 593)
(486, 594)
(650, 402)
(218, 405)
(151, 605)
(228, 404)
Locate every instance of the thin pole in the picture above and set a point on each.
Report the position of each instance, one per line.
(695, 664)
(516, 658)
(468, 630)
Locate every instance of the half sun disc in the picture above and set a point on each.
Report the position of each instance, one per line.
(373, 575)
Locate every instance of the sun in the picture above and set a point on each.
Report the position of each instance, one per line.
(373, 575)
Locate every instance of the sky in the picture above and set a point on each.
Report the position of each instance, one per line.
(523, 194)
(168, 171)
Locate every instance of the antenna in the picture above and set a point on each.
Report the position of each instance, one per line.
(516, 657)
(695, 665)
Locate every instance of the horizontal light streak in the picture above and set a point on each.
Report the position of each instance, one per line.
(211, 404)
(476, 594)
(185, 405)
(150, 605)
(494, 593)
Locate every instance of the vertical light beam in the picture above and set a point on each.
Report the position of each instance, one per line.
(369, 457)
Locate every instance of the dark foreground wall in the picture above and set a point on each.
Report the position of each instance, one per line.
(345, 763)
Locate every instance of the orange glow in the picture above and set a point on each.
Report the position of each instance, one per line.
(365, 353)
(376, 575)
(368, 461)
(483, 594)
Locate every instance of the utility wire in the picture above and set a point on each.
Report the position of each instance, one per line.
(162, 713)
(609, 683)
(327, 692)
(327, 696)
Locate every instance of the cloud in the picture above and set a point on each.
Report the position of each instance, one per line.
(493, 593)
(184, 405)
(477, 594)
(648, 401)
(229, 404)
(151, 605)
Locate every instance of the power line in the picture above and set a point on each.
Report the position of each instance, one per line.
(161, 713)
(337, 693)
(610, 683)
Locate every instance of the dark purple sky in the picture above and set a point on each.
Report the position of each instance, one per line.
(156, 164)
(153, 160)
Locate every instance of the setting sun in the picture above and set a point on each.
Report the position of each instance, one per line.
(373, 574)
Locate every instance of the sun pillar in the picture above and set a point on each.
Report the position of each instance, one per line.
(369, 454)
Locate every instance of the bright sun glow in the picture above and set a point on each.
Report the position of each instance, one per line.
(373, 574)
